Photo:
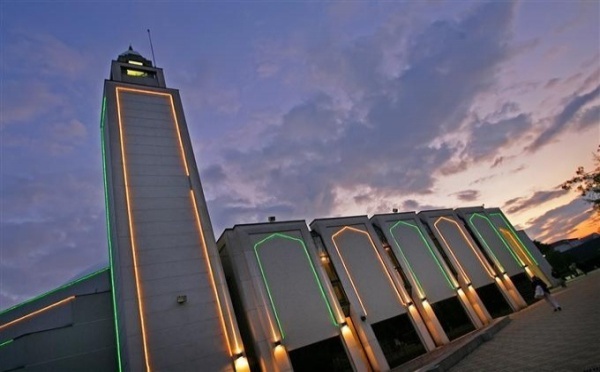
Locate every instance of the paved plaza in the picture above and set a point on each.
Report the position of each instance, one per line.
(538, 339)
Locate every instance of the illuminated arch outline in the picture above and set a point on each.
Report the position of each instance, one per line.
(483, 262)
(284, 236)
(450, 282)
(515, 235)
(353, 229)
(517, 259)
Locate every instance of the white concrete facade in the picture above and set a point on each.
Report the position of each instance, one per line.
(510, 269)
(375, 291)
(173, 308)
(285, 296)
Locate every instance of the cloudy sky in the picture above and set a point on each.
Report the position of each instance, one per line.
(301, 110)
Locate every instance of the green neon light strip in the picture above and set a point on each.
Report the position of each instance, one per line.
(108, 237)
(279, 235)
(103, 114)
(485, 244)
(5, 343)
(523, 246)
(517, 259)
(450, 282)
(410, 269)
(67, 285)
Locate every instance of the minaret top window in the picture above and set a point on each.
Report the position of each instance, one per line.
(132, 57)
(131, 67)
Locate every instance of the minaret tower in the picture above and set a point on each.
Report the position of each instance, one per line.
(172, 307)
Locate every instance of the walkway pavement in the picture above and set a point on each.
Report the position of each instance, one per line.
(538, 339)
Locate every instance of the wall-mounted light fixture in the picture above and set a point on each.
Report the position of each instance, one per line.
(181, 299)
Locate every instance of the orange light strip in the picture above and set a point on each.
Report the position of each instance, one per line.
(346, 268)
(516, 246)
(276, 336)
(484, 263)
(378, 255)
(6, 325)
(212, 279)
(203, 240)
(456, 261)
(185, 164)
(198, 221)
(131, 231)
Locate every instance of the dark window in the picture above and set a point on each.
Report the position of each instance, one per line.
(398, 339)
(452, 317)
(523, 285)
(493, 300)
(327, 355)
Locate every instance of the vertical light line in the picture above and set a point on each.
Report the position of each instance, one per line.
(58, 303)
(456, 261)
(212, 278)
(262, 272)
(346, 268)
(203, 241)
(318, 280)
(515, 245)
(410, 269)
(312, 267)
(450, 282)
(516, 235)
(485, 244)
(517, 259)
(378, 255)
(108, 234)
(187, 171)
(484, 263)
(131, 232)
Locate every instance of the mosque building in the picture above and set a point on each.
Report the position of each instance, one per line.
(339, 294)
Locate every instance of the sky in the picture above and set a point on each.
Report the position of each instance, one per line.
(300, 110)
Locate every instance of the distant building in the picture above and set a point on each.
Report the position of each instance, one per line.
(565, 244)
(345, 294)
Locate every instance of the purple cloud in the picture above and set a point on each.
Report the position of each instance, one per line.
(519, 204)
(561, 121)
(467, 195)
(365, 127)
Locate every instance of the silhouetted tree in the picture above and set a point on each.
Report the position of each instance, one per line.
(543, 247)
(587, 183)
(559, 261)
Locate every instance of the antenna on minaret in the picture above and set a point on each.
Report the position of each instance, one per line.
(151, 48)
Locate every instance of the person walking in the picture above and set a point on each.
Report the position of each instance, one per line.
(544, 292)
